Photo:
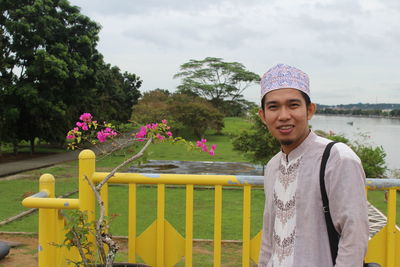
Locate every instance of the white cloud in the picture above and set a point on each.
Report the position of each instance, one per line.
(349, 48)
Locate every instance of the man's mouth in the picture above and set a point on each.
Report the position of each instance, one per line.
(285, 129)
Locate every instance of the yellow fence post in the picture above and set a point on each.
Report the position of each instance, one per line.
(47, 221)
(217, 225)
(391, 229)
(189, 227)
(132, 224)
(160, 224)
(87, 161)
(246, 225)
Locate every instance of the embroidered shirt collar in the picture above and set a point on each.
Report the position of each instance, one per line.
(298, 151)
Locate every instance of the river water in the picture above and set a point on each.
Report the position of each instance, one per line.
(379, 131)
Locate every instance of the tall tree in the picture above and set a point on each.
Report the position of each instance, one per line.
(50, 53)
(117, 93)
(49, 70)
(185, 113)
(214, 79)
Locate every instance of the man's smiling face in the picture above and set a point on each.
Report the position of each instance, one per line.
(286, 116)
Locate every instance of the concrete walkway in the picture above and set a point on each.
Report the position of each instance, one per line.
(14, 167)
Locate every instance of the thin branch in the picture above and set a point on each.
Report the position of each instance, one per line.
(99, 223)
(79, 247)
(134, 157)
(101, 235)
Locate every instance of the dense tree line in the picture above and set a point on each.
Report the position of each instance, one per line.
(380, 106)
(360, 112)
(51, 71)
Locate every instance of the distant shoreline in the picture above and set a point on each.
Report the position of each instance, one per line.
(359, 116)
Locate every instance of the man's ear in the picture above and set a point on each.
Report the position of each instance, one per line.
(261, 114)
(311, 109)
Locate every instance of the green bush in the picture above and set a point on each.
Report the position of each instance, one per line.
(184, 112)
(372, 158)
(257, 143)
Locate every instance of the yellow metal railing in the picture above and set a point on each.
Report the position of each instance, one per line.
(160, 245)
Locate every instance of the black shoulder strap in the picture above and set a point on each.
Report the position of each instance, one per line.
(333, 235)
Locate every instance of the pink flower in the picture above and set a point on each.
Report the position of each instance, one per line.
(70, 136)
(110, 132)
(76, 129)
(142, 133)
(212, 153)
(82, 125)
(204, 140)
(106, 133)
(101, 136)
(86, 117)
(199, 144)
(164, 121)
(169, 133)
(205, 149)
(152, 126)
(160, 137)
(213, 146)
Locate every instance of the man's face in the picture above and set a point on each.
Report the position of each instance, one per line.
(286, 116)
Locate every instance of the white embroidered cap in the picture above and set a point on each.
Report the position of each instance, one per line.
(284, 76)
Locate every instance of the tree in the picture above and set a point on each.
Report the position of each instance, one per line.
(215, 79)
(195, 113)
(49, 58)
(257, 143)
(117, 93)
(152, 107)
(184, 112)
(238, 108)
(51, 71)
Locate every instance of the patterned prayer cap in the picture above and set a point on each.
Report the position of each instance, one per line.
(284, 76)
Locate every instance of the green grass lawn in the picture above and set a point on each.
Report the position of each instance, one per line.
(175, 211)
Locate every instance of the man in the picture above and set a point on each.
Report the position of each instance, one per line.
(294, 231)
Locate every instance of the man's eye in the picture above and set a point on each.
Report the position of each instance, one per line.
(272, 107)
(294, 105)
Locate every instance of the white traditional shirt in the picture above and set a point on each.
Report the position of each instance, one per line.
(294, 231)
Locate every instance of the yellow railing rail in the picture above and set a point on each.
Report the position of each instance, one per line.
(160, 245)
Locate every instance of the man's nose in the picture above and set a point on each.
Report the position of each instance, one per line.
(284, 114)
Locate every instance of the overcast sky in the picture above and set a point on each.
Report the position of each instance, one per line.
(349, 48)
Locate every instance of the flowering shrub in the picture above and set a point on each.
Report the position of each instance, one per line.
(88, 130)
(202, 144)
